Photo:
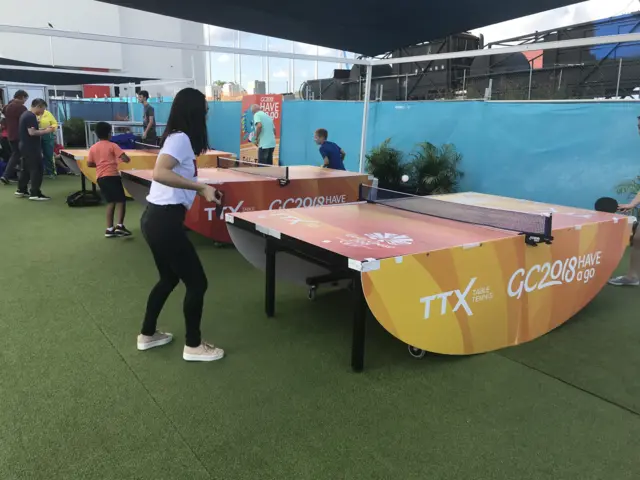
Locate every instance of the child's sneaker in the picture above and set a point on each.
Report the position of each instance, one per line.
(204, 353)
(110, 233)
(122, 231)
(156, 340)
(21, 194)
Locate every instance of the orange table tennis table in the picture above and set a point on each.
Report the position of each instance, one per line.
(255, 188)
(141, 159)
(459, 274)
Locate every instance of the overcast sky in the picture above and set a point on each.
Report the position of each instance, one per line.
(560, 17)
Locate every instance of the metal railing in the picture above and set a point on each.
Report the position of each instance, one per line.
(136, 128)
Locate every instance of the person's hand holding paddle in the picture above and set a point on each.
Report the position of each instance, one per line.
(610, 205)
(630, 206)
(163, 173)
(626, 207)
(209, 193)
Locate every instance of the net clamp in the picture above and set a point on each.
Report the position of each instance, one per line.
(534, 240)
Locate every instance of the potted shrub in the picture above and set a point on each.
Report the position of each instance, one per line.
(387, 164)
(630, 188)
(73, 131)
(435, 170)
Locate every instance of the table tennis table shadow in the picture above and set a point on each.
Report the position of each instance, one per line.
(459, 274)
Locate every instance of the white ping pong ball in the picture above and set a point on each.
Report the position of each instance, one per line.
(405, 178)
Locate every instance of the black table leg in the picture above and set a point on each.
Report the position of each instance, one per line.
(83, 182)
(270, 281)
(359, 320)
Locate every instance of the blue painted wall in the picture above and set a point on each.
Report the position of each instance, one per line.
(564, 153)
(300, 119)
(223, 125)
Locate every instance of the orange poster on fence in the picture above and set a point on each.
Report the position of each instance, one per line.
(269, 104)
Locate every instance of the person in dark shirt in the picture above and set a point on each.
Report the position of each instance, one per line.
(31, 151)
(12, 112)
(148, 119)
(332, 154)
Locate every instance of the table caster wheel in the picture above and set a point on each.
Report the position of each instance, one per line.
(416, 352)
(312, 292)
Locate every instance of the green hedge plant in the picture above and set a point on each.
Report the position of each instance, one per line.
(431, 170)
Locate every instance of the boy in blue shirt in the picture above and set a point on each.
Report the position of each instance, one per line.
(331, 153)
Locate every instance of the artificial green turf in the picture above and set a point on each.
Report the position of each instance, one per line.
(77, 401)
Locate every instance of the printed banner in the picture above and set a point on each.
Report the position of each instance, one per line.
(491, 295)
(271, 105)
(464, 301)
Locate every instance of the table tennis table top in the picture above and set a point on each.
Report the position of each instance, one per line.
(82, 153)
(369, 231)
(214, 176)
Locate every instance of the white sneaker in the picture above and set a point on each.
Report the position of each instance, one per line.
(204, 353)
(624, 281)
(156, 340)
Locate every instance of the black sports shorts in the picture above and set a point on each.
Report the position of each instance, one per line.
(111, 189)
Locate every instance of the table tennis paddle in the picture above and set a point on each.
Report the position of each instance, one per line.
(606, 205)
(220, 205)
(610, 205)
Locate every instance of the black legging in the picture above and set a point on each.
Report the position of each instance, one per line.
(176, 259)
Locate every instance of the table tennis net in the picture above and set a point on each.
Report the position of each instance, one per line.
(522, 222)
(146, 146)
(254, 168)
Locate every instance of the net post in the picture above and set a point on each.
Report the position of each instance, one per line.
(548, 228)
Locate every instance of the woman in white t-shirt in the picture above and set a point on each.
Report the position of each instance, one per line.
(172, 193)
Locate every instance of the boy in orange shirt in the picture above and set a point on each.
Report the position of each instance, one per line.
(104, 156)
